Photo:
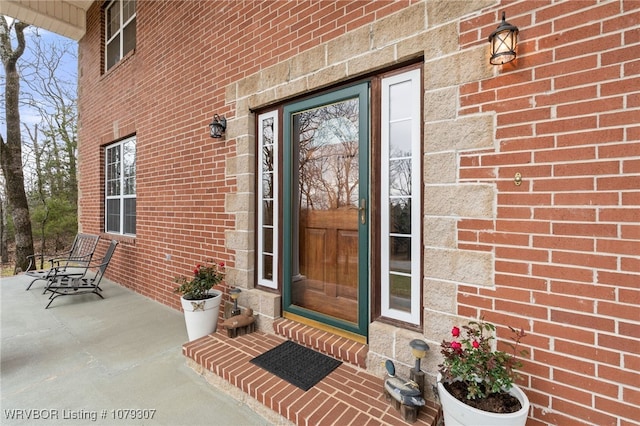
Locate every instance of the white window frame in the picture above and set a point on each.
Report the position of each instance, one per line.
(119, 32)
(413, 316)
(121, 197)
(263, 281)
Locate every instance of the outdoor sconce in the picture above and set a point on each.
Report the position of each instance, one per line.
(234, 293)
(419, 350)
(503, 43)
(218, 126)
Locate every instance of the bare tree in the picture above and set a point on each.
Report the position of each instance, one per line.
(11, 149)
(51, 145)
(4, 246)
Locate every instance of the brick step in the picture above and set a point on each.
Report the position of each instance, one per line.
(347, 396)
(341, 348)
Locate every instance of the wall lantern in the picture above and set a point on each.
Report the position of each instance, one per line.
(503, 43)
(218, 126)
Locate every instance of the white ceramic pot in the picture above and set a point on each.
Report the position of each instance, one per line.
(201, 316)
(457, 413)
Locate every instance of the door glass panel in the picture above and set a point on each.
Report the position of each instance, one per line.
(326, 186)
(267, 213)
(400, 292)
(400, 177)
(267, 266)
(400, 139)
(267, 185)
(268, 240)
(400, 216)
(399, 108)
(400, 256)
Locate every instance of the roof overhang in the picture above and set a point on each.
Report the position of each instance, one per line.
(64, 17)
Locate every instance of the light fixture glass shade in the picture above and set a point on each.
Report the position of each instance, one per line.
(503, 43)
(419, 348)
(234, 293)
(218, 126)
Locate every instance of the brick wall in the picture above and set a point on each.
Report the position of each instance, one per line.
(566, 241)
(166, 92)
(557, 255)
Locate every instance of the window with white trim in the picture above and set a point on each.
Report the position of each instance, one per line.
(400, 197)
(120, 187)
(120, 30)
(268, 199)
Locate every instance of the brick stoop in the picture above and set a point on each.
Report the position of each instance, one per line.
(347, 396)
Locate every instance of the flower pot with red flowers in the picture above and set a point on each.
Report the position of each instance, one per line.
(476, 384)
(200, 302)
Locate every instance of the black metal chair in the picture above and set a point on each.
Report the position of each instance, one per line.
(70, 284)
(80, 254)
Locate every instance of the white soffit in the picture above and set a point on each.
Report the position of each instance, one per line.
(64, 17)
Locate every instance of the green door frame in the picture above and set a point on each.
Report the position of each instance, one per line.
(360, 91)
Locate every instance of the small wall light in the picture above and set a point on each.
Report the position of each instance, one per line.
(235, 293)
(503, 43)
(218, 126)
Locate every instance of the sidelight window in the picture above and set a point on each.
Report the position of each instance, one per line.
(400, 197)
(268, 199)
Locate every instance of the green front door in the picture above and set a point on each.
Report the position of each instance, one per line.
(326, 209)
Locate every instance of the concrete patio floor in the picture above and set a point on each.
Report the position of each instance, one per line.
(85, 358)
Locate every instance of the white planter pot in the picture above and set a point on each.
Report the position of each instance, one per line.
(201, 316)
(457, 413)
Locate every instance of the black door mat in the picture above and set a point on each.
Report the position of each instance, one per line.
(298, 365)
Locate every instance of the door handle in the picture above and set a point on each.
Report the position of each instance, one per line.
(363, 211)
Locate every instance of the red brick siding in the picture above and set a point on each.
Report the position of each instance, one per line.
(566, 241)
(166, 93)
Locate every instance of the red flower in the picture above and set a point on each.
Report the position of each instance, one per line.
(455, 331)
(456, 345)
(476, 344)
(221, 264)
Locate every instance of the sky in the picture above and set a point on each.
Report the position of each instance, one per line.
(29, 116)
(67, 70)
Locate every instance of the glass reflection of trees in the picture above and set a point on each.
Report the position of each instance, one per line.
(328, 156)
(113, 171)
(267, 171)
(129, 167)
(268, 194)
(400, 206)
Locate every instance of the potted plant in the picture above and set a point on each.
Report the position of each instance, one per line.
(475, 383)
(200, 302)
